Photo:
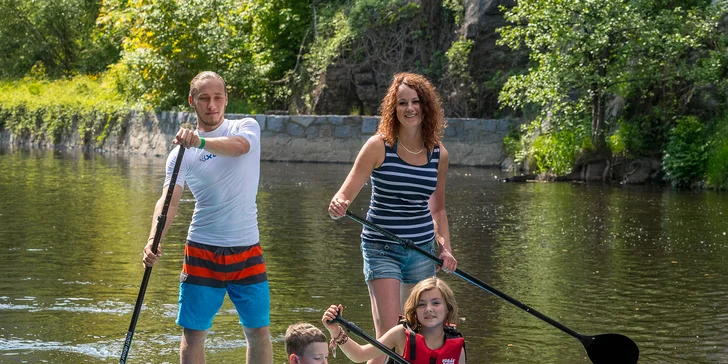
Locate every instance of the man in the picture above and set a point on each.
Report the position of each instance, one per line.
(222, 253)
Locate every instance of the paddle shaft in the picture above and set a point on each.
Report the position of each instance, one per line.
(464, 275)
(161, 221)
(351, 327)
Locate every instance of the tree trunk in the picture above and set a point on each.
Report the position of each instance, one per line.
(596, 164)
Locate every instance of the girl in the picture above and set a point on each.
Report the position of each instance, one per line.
(425, 335)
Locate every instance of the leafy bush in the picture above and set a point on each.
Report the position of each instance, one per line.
(557, 152)
(514, 146)
(717, 164)
(686, 152)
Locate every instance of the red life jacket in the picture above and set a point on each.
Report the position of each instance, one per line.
(417, 352)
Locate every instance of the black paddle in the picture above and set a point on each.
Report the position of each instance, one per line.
(351, 327)
(602, 349)
(161, 221)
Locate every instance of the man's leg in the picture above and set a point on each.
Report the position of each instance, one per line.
(192, 348)
(260, 347)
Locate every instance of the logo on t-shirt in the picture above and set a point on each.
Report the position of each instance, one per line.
(448, 361)
(207, 157)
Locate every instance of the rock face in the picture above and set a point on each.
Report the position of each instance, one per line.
(356, 83)
(482, 17)
(294, 138)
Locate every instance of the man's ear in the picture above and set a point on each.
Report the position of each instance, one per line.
(293, 359)
(190, 101)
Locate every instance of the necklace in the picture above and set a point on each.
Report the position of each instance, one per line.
(417, 152)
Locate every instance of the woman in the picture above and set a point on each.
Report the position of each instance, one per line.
(408, 196)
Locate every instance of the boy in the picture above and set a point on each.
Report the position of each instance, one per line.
(306, 344)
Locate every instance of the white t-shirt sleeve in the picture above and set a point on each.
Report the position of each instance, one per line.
(171, 159)
(249, 129)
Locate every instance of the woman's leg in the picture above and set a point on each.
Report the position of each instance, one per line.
(404, 292)
(384, 294)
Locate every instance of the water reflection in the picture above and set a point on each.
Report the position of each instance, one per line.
(640, 261)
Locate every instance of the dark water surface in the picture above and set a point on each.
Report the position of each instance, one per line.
(639, 261)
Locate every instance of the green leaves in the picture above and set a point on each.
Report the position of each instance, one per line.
(251, 44)
(54, 32)
(686, 153)
(587, 52)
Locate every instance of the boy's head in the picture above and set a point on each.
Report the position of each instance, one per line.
(306, 344)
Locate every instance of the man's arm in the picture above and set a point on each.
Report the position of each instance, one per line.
(245, 137)
(228, 146)
(150, 258)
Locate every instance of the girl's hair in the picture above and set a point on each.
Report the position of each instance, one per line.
(433, 118)
(204, 75)
(300, 335)
(410, 306)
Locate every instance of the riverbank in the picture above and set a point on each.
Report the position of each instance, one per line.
(293, 138)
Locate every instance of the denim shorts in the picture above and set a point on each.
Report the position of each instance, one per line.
(392, 260)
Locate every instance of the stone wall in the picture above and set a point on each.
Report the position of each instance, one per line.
(320, 138)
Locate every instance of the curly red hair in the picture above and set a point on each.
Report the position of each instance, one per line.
(433, 118)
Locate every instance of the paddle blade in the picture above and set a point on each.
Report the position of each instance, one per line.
(612, 349)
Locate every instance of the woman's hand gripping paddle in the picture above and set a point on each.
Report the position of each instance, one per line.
(161, 221)
(601, 349)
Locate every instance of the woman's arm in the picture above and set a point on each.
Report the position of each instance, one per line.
(439, 217)
(370, 156)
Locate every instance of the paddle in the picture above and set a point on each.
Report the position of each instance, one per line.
(602, 349)
(161, 221)
(351, 327)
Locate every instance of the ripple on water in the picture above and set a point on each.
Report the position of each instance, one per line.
(71, 305)
(103, 349)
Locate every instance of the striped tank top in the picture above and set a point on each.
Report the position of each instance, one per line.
(400, 195)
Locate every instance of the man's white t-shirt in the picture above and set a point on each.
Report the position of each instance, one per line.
(224, 187)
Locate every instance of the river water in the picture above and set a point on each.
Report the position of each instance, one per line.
(645, 262)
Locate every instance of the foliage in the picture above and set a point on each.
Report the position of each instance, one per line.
(644, 135)
(557, 151)
(515, 146)
(384, 29)
(251, 44)
(368, 14)
(618, 141)
(585, 52)
(397, 35)
(457, 9)
(333, 34)
(40, 108)
(58, 33)
(686, 152)
(458, 83)
(717, 159)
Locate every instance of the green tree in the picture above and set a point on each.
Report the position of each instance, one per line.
(584, 53)
(56, 33)
(250, 43)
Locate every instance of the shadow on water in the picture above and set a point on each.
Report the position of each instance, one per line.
(640, 261)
